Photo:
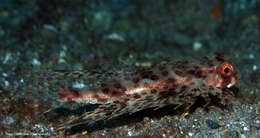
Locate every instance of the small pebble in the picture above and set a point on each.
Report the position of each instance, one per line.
(7, 121)
(6, 83)
(190, 134)
(7, 57)
(211, 124)
(78, 85)
(61, 60)
(251, 56)
(115, 36)
(245, 128)
(36, 62)
(197, 46)
(221, 123)
(257, 122)
(243, 136)
(50, 27)
(4, 74)
(62, 54)
(137, 64)
(130, 133)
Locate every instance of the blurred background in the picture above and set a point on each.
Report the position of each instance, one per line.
(65, 35)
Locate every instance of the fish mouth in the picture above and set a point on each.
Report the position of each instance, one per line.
(234, 89)
(229, 85)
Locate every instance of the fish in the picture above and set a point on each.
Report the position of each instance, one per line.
(172, 83)
(41, 93)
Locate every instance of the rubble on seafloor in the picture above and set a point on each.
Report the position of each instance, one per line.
(47, 36)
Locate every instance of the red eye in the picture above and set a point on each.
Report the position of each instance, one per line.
(226, 69)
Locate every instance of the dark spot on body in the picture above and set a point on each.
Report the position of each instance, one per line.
(136, 80)
(185, 62)
(49, 79)
(126, 99)
(146, 85)
(154, 77)
(140, 108)
(102, 99)
(117, 85)
(103, 84)
(165, 73)
(196, 67)
(180, 66)
(220, 57)
(191, 72)
(171, 80)
(105, 90)
(144, 93)
(40, 83)
(210, 64)
(179, 73)
(116, 93)
(74, 92)
(211, 88)
(183, 88)
(136, 85)
(195, 90)
(211, 71)
(137, 96)
(166, 94)
(153, 91)
(165, 87)
(172, 90)
(162, 68)
(149, 98)
(29, 101)
(181, 97)
(189, 95)
(123, 89)
(108, 113)
(181, 101)
(123, 105)
(116, 102)
(146, 74)
(40, 93)
(198, 74)
(226, 101)
(127, 78)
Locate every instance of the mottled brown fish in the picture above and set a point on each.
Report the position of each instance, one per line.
(178, 83)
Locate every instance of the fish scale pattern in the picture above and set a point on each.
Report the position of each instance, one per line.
(122, 92)
(177, 83)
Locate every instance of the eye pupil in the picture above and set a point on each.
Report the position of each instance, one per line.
(226, 70)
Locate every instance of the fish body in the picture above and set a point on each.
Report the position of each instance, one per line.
(116, 93)
(178, 83)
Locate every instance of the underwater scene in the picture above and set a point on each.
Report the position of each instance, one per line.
(130, 68)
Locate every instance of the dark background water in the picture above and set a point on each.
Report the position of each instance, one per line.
(101, 35)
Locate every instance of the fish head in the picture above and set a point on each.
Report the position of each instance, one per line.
(223, 73)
